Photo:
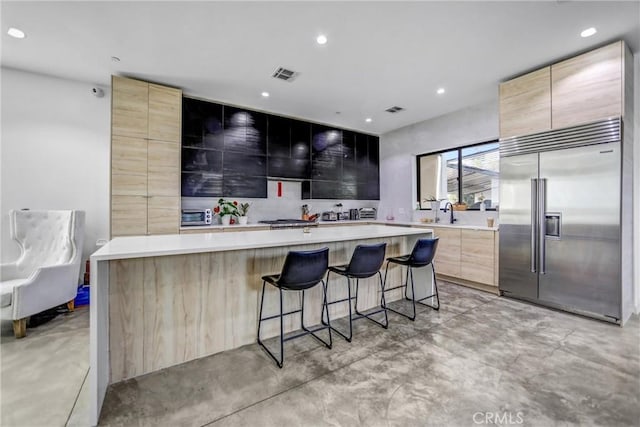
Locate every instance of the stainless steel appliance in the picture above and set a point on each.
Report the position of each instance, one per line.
(560, 210)
(289, 223)
(368, 213)
(329, 216)
(196, 217)
(354, 214)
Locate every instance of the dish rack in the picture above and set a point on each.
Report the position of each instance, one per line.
(368, 213)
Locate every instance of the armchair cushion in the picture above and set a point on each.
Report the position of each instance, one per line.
(44, 237)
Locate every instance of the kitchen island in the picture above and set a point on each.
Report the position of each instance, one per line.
(158, 301)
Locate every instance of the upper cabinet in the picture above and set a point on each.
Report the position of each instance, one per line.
(588, 87)
(525, 104)
(231, 152)
(579, 90)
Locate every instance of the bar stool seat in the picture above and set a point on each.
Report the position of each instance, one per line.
(422, 255)
(302, 270)
(365, 262)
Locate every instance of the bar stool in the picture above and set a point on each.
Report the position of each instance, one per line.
(302, 270)
(421, 256)
(366, 262)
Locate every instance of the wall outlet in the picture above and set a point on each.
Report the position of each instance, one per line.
(401, 211)
(101, 242)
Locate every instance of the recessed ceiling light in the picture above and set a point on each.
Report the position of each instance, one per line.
(440, 91)
(115, 59)
(265, 94)
(368, 120)
(321, 39)
(588, 32)
(14, 32)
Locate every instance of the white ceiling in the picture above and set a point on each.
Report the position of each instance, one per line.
(379, 54)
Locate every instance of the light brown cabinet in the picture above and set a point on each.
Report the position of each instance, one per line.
(467, 256)
(575, 91)
(525, 104)
(447, 260)
(477, 256)
(145, 158)
(588, 87)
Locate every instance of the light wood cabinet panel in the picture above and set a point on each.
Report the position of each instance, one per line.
(525, 104)
(447, 260)
(128, 185)
(165, 113)
(145, 158)
(128, 166)
(163, 169)
(477, 256)
(587, 87)
(129, 107)
(163, 215)
(128, 215)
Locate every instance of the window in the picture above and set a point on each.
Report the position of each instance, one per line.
(468, 174)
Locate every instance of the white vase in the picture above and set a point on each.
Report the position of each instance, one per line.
(225, 219)
(242, 220)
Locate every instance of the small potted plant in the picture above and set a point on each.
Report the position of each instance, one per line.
(243, 210)
(226, 210)
(435, 203)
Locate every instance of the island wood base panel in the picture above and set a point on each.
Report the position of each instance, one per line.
(171, 309)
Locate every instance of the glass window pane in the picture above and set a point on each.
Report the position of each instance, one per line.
(481, 175)
(438, 178)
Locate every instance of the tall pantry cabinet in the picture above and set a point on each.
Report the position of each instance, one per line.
(146, 122)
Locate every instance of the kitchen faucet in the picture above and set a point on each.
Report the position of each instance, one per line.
(451, 218)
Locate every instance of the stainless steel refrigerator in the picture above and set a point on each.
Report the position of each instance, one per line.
(560, 213)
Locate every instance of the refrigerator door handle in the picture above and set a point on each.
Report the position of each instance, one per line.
(542, 208)
(534, 218)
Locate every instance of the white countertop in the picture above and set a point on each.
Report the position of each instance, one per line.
(177, 244)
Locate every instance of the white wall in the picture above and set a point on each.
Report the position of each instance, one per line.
(398, 150)
(54, 152)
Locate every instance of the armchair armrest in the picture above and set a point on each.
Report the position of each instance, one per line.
(46, 288)
(9, 271)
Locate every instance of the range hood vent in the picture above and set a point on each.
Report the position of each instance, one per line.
(394, 109)
(284, 74)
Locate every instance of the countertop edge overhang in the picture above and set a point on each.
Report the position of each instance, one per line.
(180, 244)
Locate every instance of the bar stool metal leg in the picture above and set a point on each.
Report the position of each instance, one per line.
(385, 325)
(348, 299)
(280, 360)
(435, 306)
(413, 317)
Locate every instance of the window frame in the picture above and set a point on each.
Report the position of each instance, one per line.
(459, 179)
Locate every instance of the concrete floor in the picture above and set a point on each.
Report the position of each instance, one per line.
(41, 376)
(478, 358)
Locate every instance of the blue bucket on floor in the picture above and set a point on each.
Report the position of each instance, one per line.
(82, 298)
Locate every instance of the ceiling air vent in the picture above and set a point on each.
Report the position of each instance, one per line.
(284, 74)
(394, 109)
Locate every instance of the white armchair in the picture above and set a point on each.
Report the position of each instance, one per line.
(47, 271)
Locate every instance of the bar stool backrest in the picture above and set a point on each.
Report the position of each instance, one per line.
(423, 251)
(304, 269)
(366, 260)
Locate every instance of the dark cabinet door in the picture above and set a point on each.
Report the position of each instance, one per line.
(238, 185)
(279, 137)
(245, 131)
(201, 184)
(326, 190)
(202, 124)
(288, 148)
(326, 158)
